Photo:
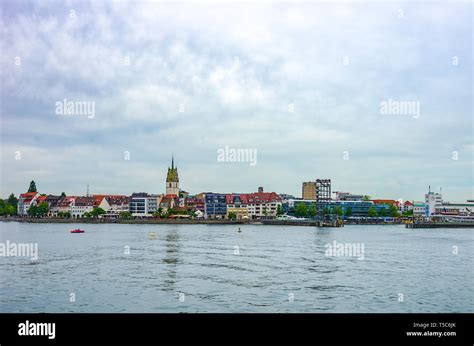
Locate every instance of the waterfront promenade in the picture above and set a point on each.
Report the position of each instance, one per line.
(192, 221)
(268, 222)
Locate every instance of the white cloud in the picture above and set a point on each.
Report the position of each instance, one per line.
(235, 68)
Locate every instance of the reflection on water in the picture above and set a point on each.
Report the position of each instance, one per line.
(277, 269)
(172, 247)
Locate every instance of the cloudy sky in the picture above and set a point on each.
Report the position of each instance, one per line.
(301, 83)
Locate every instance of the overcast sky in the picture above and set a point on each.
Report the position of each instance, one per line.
(188, 79)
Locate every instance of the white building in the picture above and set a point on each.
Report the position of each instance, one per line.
(117, 204)
(432, 200)
(25, 201)
(66, 204)
(81, 205)
(263, 204)
(465, 209)
(199, 214)
(153, 203)
(144, 205)
(419, 209)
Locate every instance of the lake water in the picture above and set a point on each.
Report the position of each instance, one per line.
(213, 268)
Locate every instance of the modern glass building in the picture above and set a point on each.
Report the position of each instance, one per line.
(138, 204)
(358, 208)
(215, 206)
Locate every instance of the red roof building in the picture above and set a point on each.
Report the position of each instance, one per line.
(386, 201)
(25, 201)
(258, 204)
(40, 199)
(29, 196)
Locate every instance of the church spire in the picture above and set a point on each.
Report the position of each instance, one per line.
(172, 179)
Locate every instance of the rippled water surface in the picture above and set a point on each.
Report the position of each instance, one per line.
(220, 270)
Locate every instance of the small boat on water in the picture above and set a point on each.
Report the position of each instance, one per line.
(77, 230)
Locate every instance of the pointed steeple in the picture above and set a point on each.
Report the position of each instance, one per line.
(172, 175)
(172, 179)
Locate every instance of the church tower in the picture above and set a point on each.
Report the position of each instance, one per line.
(172, 180)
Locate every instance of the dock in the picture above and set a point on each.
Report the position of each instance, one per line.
(440, 225)
(302, 223)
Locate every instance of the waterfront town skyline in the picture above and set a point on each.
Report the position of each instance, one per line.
(168, 189)
(172, 187)
(315, 195)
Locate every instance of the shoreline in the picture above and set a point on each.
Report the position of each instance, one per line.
(123, 221)
(268, 222)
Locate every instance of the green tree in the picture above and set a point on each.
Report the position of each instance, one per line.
(393, 211)
(372, 211)
(348, 211)
(366, 198)
(33, 211)
(125, 215)
(338, 211)
(32, 187)
(383, 212)
(312, 210)
(10, 209)
(232, 215)
(279, 210)
(63, 194)
(12, 200)
(97, 211)
(64, 214)
(42, 209)
(301, 210)
(327, 211)
(2, 207)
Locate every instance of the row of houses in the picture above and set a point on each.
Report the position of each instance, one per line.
(76, 206)
(206, 204)
(254, 205)
(243, 205)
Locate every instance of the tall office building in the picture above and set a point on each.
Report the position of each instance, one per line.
(309, 190)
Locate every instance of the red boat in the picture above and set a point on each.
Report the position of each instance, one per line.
(77, 231)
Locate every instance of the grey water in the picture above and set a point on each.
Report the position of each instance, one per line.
(214, 268)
